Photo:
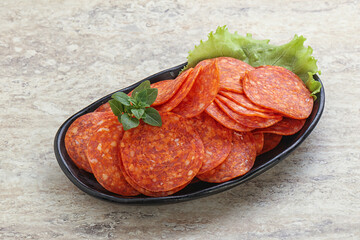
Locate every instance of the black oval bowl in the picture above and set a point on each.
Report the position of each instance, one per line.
(87, 182)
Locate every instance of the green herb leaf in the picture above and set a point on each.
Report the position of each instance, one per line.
(141, 97)
(129, 122)
(121, 97)
(151, 95)
(144, 85)
(116, 107)
(138, 113)
(152, 117)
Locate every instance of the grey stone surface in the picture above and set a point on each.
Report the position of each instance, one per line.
(58, 56)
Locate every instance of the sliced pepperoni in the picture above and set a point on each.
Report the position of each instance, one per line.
(259, 141)
(216, 139)
(248, 121)
(287, 126)
(104, 108)
(78, 135)
(162, 158)
(239, 162)
(244, 111)
(242, 100)
(202, 93)
(103, 154)
(216, 113)
(181, 94)
(231, 73)
(279, 89)
(270, 142)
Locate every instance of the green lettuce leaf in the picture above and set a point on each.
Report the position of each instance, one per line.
(293, 55)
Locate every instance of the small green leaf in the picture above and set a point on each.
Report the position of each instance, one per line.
(141, 97)
(121, 97)
(116, 107)
(144, 85)
(129, 122)
(151, 95)
(138, 113)
(152, 117)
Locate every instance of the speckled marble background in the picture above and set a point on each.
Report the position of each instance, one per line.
(58, 56)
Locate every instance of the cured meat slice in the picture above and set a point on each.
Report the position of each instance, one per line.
(160, 159)
(248, 121)
(78, 135)
(202, 93)
(231, 73)
(240, 160)
(244, 111)
(242, 100)
(270, 142)
(216, 113)
(259, 141)
(279, 89)
(181, 94)
(216, 139)
(104, 108)
(103, 154)
(287, 126)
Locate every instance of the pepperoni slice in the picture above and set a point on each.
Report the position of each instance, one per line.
(162, 158)
(242, 100)
(231, 73)
(216, 113)
(287, 126)
(279, 89)
(244, 111)
(103, 154)
(104, 108)
(216, 139)
(78, 135)
(248, 121)
(270, 142)
(202, 93)
(259, 141)
(183, 91)
(240, 160)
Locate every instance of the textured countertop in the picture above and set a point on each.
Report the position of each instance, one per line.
(56, 58)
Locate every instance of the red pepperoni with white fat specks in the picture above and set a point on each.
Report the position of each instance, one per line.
(168, 88)
(259, 141)
(239, 162)
(216, 139)
(244, 111)
(231, 72)
(203, 91)
(162, 158)
(190, 75)
(287, 126)
(104, 108)
(280, 90)
(243, 101)
(216, 113)
(248, 121)
(78, 135)
(270, 142)
(103, 155)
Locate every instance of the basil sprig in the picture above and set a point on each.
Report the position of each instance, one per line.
(130, 110)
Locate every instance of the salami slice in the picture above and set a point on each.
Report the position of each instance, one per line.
(216, 113)
(103, 154)
(78, 135)
(270, 142)
(259, 141)
(279, 89)
(248, 121)
(104, 108)
(287, 126)
(244, 111)
(181, 94)
(202, 93)
(240, 160)
(242, 100)
(231, 73)
(216, 139)
(160, 159)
